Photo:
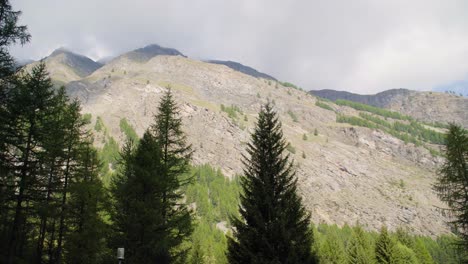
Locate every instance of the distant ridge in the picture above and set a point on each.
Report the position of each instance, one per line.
(148, 52)
(244, 69)
(381, 99)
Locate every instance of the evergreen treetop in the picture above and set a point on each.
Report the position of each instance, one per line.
(274, 226)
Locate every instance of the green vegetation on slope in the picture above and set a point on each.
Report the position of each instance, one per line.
(373, 109)
(128, 130)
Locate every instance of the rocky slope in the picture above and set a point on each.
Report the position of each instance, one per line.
(425, 106)
(346, 174)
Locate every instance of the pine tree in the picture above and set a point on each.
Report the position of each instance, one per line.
(274, 226)
(331, 249)
(149, 214)
(10, 33)
(22, 136)
(452, 185)
(360, 249)
(176, 155)
(86, 230)
(385, 248)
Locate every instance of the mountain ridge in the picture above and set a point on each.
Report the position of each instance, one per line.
(425, 106)
(346, 173)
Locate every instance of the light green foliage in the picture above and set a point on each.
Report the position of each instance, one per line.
(235, 113)
(128, 130)
(290, 85)
(323, 105)
(87, 118)
(293, 116)
(99, 125)
(216, 198)
(373, 109)
(109, 154)
(232, 111)
(413, 132)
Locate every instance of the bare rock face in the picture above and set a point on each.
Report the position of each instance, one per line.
(346, 174)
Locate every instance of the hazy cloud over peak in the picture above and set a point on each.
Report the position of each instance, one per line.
(361, 46)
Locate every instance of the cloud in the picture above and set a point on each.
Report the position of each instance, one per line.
(362, 46)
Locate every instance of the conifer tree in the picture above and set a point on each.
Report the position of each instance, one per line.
(452, 185)
(385, 248)
(22, 134)
(85, 236)
(274, 225)
(175, 161)
(359, 249)
(10, 33)
(152, 220)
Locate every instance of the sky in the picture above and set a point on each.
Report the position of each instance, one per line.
(362, 46)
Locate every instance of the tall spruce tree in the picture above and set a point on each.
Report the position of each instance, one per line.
(360, 248)
(386, 251)
(274, 225)
(150, 215)
(452, 184)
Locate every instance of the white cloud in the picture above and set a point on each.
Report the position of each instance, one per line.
(361, 46)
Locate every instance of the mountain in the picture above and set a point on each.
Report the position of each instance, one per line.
(346, 173)
(148, 52)
(244, 69)
(425, 106)
(65, 66)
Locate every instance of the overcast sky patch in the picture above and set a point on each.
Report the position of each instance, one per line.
(361, 46)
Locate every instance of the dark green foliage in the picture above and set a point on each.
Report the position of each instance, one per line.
(274, 226)
(43, 130)
(85, 239)
(152, 221)
(452, 184)
(10, 33)
(323, 105)
(304, 137)
(315, 132)
(386, 250)
(128, 130)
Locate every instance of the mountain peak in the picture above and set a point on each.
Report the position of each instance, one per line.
(81, 65)
(146, 53)
(59, 51)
